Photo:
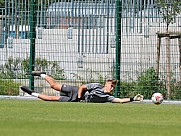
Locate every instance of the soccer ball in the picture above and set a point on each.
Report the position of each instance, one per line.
(157, 98)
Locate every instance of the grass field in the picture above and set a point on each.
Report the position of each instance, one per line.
(40, 118)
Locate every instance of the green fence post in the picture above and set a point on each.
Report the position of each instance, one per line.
(118, 46)
(32, 40)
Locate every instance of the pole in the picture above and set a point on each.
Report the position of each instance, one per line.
(32, 40)
(118, 45)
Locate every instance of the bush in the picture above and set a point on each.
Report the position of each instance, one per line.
(127, 89)
(15, 68)
(9, 87)
(147, 83)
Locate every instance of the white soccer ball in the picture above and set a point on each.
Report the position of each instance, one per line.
(157, 98)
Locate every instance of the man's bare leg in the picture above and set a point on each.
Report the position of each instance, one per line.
(41, 96)
(49, 79)
(48, 98)
(52, 82)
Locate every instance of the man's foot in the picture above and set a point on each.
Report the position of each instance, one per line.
(26, 89)
(35, 73)
(138, 97)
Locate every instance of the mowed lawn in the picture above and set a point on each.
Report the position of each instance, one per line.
(41, 118)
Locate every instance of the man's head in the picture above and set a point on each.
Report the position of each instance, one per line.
(110, 85)
(112, 80)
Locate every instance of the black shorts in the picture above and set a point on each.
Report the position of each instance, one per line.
(68, 93)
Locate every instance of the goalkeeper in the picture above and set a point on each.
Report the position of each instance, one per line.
(92, 92)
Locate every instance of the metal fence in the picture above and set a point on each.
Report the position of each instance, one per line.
(87, 41)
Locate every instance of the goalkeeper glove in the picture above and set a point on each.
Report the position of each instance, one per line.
(138, 97)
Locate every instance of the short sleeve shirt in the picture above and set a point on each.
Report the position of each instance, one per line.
(95, 93)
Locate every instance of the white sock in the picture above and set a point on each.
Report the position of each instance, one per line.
(43, 75)
(35, 94)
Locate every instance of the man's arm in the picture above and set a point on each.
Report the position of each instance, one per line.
(118, 100)
(138, 97)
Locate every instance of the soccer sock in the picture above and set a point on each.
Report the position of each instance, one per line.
(43, 75)
(35, 94)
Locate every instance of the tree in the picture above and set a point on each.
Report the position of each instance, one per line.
(2, 3)
(168, 9)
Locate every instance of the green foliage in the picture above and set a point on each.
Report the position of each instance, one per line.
(15, 68)
(41, 64)
(56, 71)
(176, 91)
(9, 87)
(168, 9)
(147, 83)
(1, 3)
(127, 89)
(10, 68)
(148, 80)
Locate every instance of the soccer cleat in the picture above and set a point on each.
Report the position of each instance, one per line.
(138, 97)
(26, 89)
(35, 73)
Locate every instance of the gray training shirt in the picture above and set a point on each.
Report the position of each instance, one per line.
(95, 93)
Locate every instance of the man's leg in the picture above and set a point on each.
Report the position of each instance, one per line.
(48, 98)
(49, 79)
(41, 96)
(52, 82)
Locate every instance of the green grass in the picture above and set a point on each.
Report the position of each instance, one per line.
(40, 118)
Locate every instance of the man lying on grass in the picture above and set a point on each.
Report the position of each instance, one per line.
(92, 92)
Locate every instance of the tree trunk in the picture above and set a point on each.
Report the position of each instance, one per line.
(158, 56)
(179, 42)
(168, 69)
